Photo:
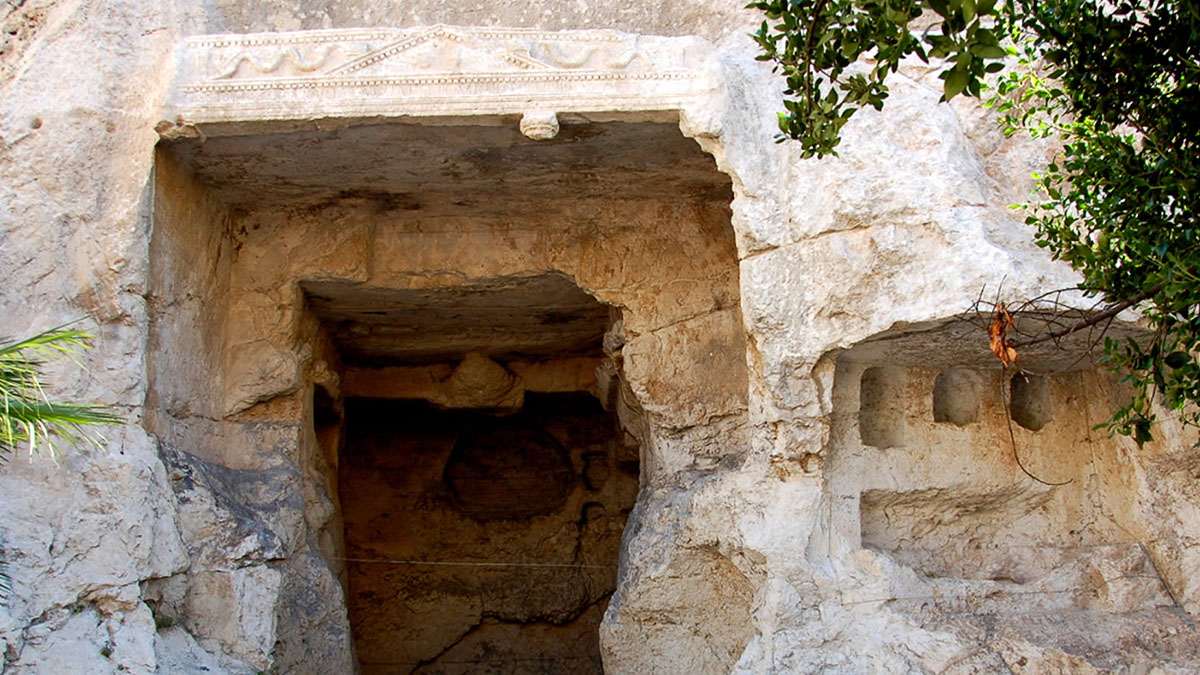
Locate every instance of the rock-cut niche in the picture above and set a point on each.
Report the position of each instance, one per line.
(931, 461)
(440, 354)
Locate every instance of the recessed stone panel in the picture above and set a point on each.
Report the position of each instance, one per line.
(956, 397)
(882, 405)
(1030, 401)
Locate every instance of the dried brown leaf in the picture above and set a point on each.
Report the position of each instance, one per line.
(998, 336)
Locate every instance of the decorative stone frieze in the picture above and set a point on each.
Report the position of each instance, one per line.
(434, 71)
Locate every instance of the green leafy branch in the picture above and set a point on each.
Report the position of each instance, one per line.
(813, 44)
(1119, 85)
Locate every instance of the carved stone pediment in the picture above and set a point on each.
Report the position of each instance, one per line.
(438, 70)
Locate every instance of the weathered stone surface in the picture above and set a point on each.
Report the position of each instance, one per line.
(479, 382)
(224, 611)
(222, 525)
(110, 633)
(312, 633)
(669, 612)
(178, 652)
(683, 374)
(723, 298)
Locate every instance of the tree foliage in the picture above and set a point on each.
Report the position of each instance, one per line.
(817, 44)
(1117, 81)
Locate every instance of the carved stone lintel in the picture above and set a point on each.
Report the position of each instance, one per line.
(436, 71)
(540, 126)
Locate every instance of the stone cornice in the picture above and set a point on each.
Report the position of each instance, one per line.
(434, 71)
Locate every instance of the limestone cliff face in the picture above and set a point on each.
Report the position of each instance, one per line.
(533, 351)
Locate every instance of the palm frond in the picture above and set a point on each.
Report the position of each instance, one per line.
(28, 417)
(5, 582)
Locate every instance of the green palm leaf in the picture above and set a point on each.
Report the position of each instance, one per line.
(5, 582)
(28, 417)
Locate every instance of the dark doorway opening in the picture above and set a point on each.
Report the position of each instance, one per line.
(483, 543)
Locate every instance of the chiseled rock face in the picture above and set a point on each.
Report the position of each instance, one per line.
(479, 382)
(830, 474)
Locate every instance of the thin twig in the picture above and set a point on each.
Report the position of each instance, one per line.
(1012, 436)
(1095, 318)
(1166, 587)
(808, 45)
(1092, 344)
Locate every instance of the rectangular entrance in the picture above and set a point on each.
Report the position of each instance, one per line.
(482, 543)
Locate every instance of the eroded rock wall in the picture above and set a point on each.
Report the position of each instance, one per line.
(82, 532)
(767, 536)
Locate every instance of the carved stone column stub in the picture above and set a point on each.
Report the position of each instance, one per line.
(437, 71)
(540, 126)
